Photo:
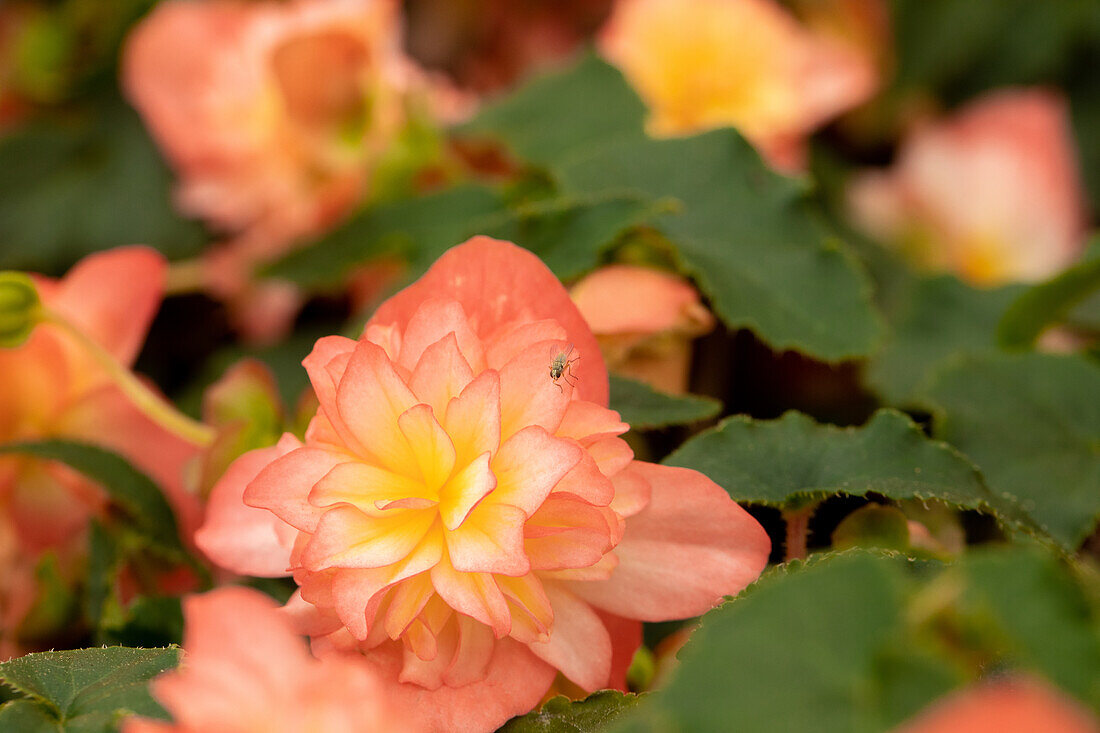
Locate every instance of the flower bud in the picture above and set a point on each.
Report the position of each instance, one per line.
(19, 308)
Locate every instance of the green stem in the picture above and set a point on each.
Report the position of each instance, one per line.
(155, 407)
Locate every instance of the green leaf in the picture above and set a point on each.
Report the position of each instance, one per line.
(27, 716)
(779, 461)
(568, 233)
(1029, 613)
(1032, 425)
(134, 492)
(961, 47)
(152, 620)
(585, 106)
(831, 617)
(645, 408)
(747, 238)
(941, 317)
(1050, 302)
(562, 715)
(422, 227)
(67, 190)
(85, 689)
(868, 640)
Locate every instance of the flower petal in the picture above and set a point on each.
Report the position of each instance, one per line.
(490, 541)
(366, 487)
(112, 297)
(690, 546)
(464, 490)
(528, 395)
(284, 485)
(474, 594)
(240, 538)
(586, 421)
(435, 319)
(430, 445)
(347, 538)
(370, 398)
(441, 374)
(579, 644)
(514, 682)
(528, 466)
(473, 418)
(519, 283)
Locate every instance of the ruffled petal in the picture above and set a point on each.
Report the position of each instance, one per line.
(528, 466)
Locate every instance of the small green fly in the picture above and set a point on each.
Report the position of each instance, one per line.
(561, 366)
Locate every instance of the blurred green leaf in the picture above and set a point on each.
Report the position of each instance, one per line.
(940, 317)
(961, 47)
(779, 461)
(562, 715)
(587, 105)
(93, 182)
(568, 233)
(27, 716)
(831, 619)
(421, 228)
(147, 621)
(1031, 423)
(1030, 614)
(134, 492)
(747, 236)
(857, 642)
(644, 407)
(83, 690)
(1049, 302)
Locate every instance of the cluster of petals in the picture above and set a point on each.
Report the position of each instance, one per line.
(992, 193)
(1016, 704)
(245, 670)
(748, 64)
(644, 320)
(52, 387)
(466, 522)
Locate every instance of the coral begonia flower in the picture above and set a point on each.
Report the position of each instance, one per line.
(748, 64)
(270, 111)
(473, 526)
(1010, 705)
(245, 671)
(644, 320)
(274, 115)
(992, 194)
(53, 388)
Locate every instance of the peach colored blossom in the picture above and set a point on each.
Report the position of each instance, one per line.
(748, 64)
(274, 115)
(1011, 705)
(471, 527)
(992, 193)
(53, 388)
(645, 321)
(270, 111)
(245, 671)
